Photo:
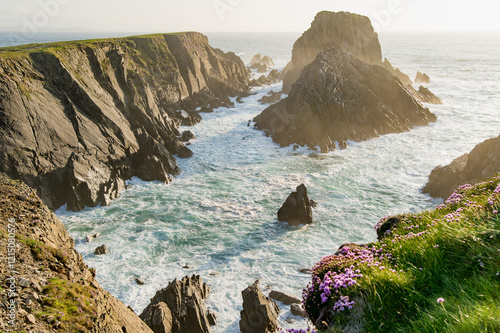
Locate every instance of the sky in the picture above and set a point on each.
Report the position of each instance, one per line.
(241, 15)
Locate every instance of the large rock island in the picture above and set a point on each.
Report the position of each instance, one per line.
(338, 98)
(350, 33)
(339, 88)
(79, 118)
(482, 163)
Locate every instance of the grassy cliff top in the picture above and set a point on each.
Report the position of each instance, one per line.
(436, 271)
(53, 46)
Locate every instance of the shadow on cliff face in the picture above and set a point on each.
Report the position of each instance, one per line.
(82, 117)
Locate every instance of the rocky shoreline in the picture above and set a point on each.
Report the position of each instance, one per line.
(79, 118)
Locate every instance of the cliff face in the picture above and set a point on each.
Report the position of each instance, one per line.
(52, 288)
(338, 98)
(79, 118)
(348, 32)
(482, 163)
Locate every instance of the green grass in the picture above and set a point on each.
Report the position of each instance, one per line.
(12, 51)
(456, 258)
(70, 303)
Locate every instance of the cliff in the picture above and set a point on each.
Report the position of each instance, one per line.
(350, 33)
(79, 118)
(482, 163)
(46, 285)
(338, 98)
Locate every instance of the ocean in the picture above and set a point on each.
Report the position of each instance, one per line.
(219, 216)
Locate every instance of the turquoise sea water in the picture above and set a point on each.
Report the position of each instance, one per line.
(219, 216)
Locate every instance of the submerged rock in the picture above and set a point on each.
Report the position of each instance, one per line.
(338, 98)
(180, 308)
(482, 163)
(260, 314)
(297, 208)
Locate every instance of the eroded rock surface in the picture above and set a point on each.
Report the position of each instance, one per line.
(79, 118)
(338, 98)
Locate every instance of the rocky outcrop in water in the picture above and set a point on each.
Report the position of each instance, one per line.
(262, 60)
(482, 163)
(50, 275)
(260, 314)
(180, 308)
(348, 32)
(422, 78)
(79, 118)
(271, 98)
(297, 208)
(338, 98)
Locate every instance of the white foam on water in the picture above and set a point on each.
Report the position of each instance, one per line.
(219, 216)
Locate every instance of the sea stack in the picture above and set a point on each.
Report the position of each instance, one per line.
(350, 33)
(338, 98)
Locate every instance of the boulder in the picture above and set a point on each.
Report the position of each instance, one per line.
(180, 308)
(348, 32)
(297, 310)
(260, 314)
(187, 136)
(339, 98)
(284, 298)
(103, 249)
(482, 163)
(428, 97)
(422, 78)
(297, 208)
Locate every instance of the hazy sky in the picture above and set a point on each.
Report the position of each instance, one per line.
(241, 15)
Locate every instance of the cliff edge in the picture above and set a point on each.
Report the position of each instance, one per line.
(46, 285)
(79, 118)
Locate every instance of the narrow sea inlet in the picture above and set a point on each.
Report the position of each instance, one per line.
(219, 217)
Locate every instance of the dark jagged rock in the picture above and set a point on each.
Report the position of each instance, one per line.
(260, 314)
(77, 119)
(271, 98)
(338, 98)
(47, 252)
(482, 163)
(261, 68)
(297, 208)
(180, 308)
(422, 78)
(428, 97)
(284, 298)
(348, 32)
